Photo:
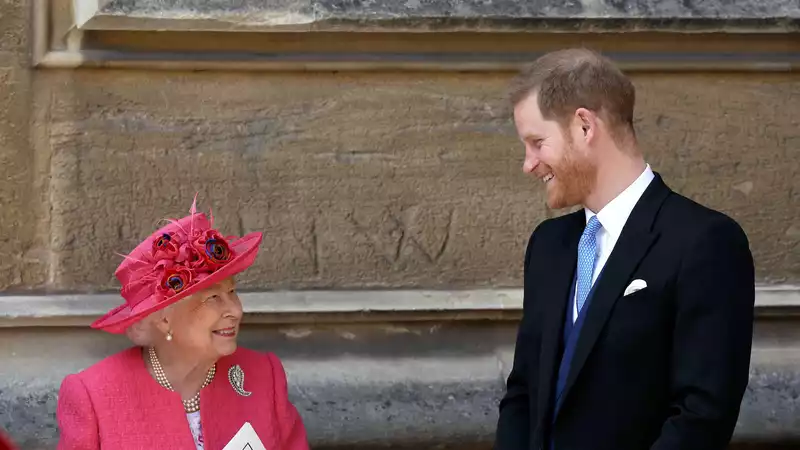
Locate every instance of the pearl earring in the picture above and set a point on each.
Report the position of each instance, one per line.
(169, 335)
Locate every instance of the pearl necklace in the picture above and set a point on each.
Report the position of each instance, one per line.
(191, 405)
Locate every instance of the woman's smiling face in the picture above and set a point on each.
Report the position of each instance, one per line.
(206, 324)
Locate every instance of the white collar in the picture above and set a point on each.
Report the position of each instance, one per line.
(614, 215)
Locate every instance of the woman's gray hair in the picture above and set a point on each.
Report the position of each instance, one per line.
(144, 332)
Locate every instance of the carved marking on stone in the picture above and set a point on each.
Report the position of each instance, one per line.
(307, 236)
(240, 223)
(427, 229)
(430, 230)
(383, 232)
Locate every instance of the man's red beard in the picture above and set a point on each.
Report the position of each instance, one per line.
(574, 178)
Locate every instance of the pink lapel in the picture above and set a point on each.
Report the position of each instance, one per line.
(158, 412)
(224, 411)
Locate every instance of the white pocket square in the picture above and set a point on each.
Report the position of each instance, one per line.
(636, 285)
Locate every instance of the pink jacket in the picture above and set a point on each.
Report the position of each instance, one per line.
(116, 404)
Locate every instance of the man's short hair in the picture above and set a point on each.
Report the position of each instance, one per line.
(566, 80)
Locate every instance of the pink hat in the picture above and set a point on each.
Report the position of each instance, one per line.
(180, 259)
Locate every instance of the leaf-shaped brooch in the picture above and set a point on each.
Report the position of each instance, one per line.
(236, 377)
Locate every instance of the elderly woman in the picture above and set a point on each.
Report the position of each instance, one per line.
(185, 385)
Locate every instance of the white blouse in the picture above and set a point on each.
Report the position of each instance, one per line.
(197, 430)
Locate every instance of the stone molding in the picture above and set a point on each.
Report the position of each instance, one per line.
(303, 307)
(111, 34)
(320, 15)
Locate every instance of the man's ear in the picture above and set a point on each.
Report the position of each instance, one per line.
(587, 121)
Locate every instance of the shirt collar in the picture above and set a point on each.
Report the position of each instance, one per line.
(614, 215)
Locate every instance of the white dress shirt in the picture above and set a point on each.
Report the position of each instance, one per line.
(612, 219)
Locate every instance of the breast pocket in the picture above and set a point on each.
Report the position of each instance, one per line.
(642, 317)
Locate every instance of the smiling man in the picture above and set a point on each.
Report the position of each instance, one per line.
(638, 308)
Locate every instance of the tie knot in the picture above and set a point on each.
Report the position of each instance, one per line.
(592, 226)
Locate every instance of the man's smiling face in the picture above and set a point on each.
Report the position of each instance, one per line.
(553, 157)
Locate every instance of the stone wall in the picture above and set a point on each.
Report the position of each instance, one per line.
(359, 179)
(364, 180)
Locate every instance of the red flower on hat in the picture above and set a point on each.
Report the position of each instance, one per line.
(165, 247)
(175, 279)
(213, 249)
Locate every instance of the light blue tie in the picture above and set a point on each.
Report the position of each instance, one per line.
(587, 255)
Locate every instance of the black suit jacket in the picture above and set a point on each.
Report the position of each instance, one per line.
(664, 368)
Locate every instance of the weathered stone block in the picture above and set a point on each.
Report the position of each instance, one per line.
(356, 181)
(20, 265)
(720, 141)
(382, 180)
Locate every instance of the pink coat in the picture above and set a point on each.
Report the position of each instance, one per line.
(116, 404)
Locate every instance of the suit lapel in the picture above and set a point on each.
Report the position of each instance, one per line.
(634, 242)
(555, 292)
